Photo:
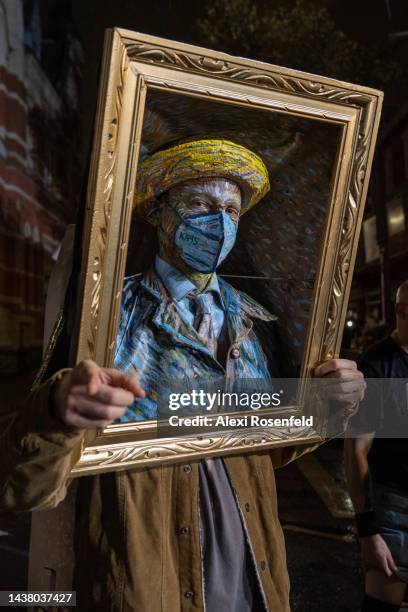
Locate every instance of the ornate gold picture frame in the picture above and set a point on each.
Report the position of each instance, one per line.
(136, 66)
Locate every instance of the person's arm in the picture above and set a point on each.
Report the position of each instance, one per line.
(37, 451)
(374, 551)
(357, 472)
(41, 439)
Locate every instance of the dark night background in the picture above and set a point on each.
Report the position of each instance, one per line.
(364, 30)
(50, 54)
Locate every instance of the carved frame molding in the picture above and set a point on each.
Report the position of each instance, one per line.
(132, 63)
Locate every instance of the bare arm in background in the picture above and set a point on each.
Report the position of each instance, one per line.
(374, 551)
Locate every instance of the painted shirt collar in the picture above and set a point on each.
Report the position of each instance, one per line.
(178, 284)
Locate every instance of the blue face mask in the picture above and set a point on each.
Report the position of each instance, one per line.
(205, 240)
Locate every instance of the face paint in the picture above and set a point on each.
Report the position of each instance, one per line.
(205, 240)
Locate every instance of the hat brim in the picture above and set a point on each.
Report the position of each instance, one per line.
(201, 159)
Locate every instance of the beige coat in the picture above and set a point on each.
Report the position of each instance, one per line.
(130, 554)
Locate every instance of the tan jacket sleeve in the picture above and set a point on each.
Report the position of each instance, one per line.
(37, 452)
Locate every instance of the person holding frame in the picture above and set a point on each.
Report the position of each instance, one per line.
(202, 535)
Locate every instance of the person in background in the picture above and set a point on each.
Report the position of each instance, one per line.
(377, 468)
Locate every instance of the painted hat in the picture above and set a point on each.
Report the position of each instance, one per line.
(206, 158)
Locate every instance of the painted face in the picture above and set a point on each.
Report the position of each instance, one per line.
(198, 223)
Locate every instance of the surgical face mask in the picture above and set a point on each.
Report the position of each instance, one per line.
(205, 239)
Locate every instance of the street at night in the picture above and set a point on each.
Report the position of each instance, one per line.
(323, 554)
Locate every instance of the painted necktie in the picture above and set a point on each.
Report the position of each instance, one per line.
(203, 322)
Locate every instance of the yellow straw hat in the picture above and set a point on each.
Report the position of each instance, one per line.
(201, 159)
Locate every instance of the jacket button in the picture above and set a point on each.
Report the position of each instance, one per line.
(247, 507)
(263, 565)
(235, 353)
(184, 530)
(189, 594)
(187, 469)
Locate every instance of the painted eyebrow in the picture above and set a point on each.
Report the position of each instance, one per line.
(211, 198)
(224, 203)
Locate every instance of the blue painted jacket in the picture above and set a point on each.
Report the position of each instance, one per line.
(167, 354)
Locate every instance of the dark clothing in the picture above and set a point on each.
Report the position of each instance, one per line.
(391, 511)
(371, 604)
(388, 461)
(384, 411)
(386, 359)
